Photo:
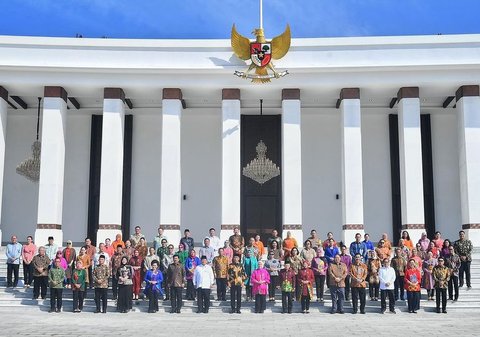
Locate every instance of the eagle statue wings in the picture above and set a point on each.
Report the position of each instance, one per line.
(261, 52)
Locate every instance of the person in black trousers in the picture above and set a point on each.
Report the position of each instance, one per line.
(203, 280)
(175, 281)
(236, 277)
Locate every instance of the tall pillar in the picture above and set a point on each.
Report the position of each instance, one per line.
(468, 106)
(52, 167)
(111, 169)
(230, 162)
(411, 169)
(3, 135)
(171, 179)
(292, 164)
(352, 176)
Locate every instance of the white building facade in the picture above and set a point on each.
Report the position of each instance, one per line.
(376, 134)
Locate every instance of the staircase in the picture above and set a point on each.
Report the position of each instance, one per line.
(21, 299)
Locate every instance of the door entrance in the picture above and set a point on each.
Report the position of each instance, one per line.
(261, 203)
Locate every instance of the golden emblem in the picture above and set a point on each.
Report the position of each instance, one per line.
(260, 52)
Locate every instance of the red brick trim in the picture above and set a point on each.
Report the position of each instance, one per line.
(413, 226)
(56, 92)
(230, 94)
(109, 226)
(408, 92)
(290, 94)
(172, 93)
(467, 90)
(49, 226)
(114, 93)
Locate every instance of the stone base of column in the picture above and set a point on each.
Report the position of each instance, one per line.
(226, 231)
(109, 231)
(414, 230)
(297, 233)
(349, 231)
(172, 232)
(43, 231)
(472, 232)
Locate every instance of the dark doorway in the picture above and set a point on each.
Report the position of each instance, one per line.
(427, 163)
(261, 204)
(94, 181)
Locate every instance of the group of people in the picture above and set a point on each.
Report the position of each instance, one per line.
(436, 265)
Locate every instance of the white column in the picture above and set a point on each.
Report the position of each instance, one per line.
(52, 167)
(3, 135)
(292, 164)
(411, 169)
(230, 162)
(468, 106)
(352, 177)
(111, 171)
(171, 179)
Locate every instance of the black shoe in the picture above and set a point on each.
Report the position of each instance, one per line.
(96, 311)
(205, 311)
(393, 312)
(341, 312)
(58, 311)
(332, 312)
(362, 312)
(444, 311)
(438, 311)
(383, 311)
(354, 312)
(44, 297)
(51, 310)
(172, 311)
(239, 312)
(178, 311)
(104, 311)
(232, 311)
(414, 312)
(199, 311)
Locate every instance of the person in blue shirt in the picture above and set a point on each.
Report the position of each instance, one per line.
(13, 252)
(331, 251)
(358, 247)
(153, 287)
(368, 244)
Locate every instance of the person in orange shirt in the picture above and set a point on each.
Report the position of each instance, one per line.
(260, 246)
(118, 242)
(288, 244)
(382, 251)
(387, 243)
(407, 241)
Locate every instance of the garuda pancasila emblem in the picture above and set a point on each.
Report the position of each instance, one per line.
(261, 53)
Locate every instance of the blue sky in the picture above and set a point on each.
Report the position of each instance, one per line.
(209, 19)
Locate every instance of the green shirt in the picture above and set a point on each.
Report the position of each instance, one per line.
(56, 276)
(78, 277)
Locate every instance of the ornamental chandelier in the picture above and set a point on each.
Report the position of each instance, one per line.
(30, 168)
(261, 169)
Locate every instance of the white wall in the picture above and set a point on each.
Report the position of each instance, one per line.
(202, 171)
(146, 161)
(20, 196)
(376, 174)
(446, 176)
(321, 171)
(77, 171)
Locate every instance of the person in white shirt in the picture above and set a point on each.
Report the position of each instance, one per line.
(207, 250)
(203, 281)
(101, 251)
(387, 285)
(215, 242)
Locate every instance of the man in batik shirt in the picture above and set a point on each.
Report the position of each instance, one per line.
(236, 278)
(101, 273)
(220, 269)
(441, 276)
(287, 284)
(358, 274)
(463, 248)
(237, 242)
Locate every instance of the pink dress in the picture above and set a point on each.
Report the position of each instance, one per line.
(228, 252)
(256, 279)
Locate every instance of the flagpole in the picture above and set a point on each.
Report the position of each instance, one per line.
(261, 14)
